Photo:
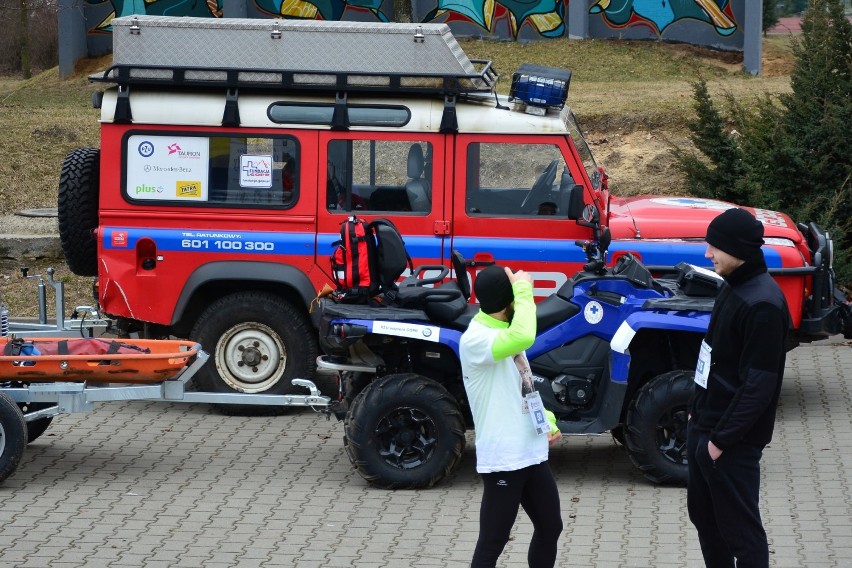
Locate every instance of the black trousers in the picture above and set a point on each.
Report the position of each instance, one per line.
(723, 503)
(535, 490)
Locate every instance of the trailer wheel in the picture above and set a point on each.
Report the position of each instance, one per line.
(35, 428)
(258, 343)
(656, 427)
(13, 436)
(77, 208)
(404, 431)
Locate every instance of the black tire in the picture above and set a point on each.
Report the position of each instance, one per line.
(656, 427)
(77, 208)
(36, 428)
(404, 431)
(258, 342)
(13, 436)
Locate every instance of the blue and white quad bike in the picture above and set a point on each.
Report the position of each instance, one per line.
(615, 351)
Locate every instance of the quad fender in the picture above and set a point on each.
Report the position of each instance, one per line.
(281, 275)
(692, 322)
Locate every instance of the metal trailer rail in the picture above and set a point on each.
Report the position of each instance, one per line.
(76, 397)
(85, 322)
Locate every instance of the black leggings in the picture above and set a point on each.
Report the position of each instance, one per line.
(533, 488)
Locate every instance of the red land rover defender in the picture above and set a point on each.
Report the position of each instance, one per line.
(225, 171)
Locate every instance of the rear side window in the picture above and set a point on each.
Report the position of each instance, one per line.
(215, 170)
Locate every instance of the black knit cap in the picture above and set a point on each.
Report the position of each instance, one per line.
(493, 289)
(737, 233)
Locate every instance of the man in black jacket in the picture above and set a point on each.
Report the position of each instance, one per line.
(738, 381)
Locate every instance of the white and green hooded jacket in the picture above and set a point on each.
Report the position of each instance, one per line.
(505, 437)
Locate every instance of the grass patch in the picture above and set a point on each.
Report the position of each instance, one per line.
(41, 120)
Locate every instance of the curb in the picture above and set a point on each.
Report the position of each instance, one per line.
(19, 247)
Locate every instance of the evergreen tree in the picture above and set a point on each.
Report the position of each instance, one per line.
(793, 152)
(770, 14)
(716, 176)
(819, 108)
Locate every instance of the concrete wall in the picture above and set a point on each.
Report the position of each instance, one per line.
(722, 24)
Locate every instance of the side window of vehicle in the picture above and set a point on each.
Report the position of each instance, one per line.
(217, 170)
(516, 179)
(379, 176)
(254, 171)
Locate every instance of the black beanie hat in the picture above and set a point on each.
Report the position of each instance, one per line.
(737, 233)
(493, 289)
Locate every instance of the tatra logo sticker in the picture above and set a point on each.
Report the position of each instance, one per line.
(593, 312)
(188, 189)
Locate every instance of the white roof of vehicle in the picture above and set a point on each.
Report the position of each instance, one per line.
(474, 113)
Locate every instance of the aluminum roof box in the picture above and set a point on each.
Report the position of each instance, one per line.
(292, 54)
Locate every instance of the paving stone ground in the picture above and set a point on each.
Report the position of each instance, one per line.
(155, 484)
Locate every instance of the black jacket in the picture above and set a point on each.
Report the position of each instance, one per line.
(747, 334)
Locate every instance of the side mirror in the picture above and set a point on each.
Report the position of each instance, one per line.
(590, 216)
(575, 202)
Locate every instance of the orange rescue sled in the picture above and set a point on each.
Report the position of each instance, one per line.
(93, 360)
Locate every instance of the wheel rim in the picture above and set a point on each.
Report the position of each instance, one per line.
(2, 440)
(406, 438)
(671, 435)
(251, 357)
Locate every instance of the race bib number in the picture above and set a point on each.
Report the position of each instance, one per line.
(536, 408)
(702, 369)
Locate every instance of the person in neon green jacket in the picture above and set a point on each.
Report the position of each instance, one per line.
(513, 431)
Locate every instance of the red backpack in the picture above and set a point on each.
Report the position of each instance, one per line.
(367, 260)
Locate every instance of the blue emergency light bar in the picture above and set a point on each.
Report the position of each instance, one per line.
(540, 86)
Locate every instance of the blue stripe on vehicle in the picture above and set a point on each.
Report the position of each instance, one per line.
(658, 253)
(211, 241)
(508, 249)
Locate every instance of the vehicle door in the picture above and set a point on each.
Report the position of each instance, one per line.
(388, 175)
(510, 205)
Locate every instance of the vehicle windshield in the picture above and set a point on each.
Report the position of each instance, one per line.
(583, 149)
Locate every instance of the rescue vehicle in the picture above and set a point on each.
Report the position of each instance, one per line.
(231, 150)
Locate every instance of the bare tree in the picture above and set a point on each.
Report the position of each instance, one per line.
(22, 50)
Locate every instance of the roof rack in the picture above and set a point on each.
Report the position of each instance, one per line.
(483, 81)
(304, 56)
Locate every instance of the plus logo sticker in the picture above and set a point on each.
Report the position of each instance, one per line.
(593, 312)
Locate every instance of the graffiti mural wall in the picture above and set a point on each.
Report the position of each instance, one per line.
(705, 22)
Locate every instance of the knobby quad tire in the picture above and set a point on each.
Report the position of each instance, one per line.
(655, 432)
(13, 436)
(404, 431)
(77, 208)
(258, 342)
